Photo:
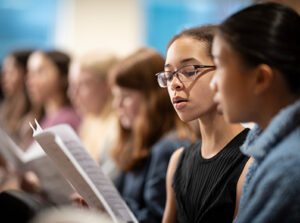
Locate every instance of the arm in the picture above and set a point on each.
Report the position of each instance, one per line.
(240, 185)
(170, 214)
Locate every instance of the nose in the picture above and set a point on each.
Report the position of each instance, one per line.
(176, 83)
(30, 81)
(117, 102)
(213, 83)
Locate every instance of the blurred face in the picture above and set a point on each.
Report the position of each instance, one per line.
(192, 99)
(13, 77)
(73, 81)
(232, 83)
(43, 81)
(92, 92)
(127, 103)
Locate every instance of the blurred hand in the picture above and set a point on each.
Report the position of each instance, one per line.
(30, 182)
(77, 200)
(9, 180)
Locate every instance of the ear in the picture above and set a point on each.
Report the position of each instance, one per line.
(264, 76)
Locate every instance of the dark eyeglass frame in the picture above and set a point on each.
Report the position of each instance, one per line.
(161, 75)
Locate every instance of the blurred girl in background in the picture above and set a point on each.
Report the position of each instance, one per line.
(47, 85)
(91, 96)
(16, 104)
(14, 108)
(149, 132)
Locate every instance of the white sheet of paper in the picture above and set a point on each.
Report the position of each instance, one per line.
(10, 151)
(14, 154)
(66, 150)
(35, 159)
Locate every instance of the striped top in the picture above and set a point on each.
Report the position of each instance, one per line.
(205, 189)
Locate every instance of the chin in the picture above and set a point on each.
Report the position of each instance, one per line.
(186, 118)
(35, 101)
(126, 124)
(220, 112)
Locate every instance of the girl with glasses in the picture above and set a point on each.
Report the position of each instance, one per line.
(257, 52)
(204, 180)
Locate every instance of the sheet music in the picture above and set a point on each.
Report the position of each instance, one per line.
(52, 182)
(33, 152)
(66, 150)
(13, 154)
(10, 151)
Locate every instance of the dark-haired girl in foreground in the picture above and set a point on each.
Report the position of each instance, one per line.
(204, 180)
(257, 53)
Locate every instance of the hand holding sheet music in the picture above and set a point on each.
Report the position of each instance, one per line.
(53, 185)
(64, 147)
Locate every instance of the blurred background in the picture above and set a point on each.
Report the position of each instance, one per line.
(121, 26)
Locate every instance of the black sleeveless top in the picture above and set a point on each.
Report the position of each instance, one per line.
(205, 189)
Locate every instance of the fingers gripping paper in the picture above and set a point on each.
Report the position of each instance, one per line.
(54, 186)
(63, 146)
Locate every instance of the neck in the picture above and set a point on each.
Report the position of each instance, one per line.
(271, 109)
(216, 133)
(53, 105)
(104, 107)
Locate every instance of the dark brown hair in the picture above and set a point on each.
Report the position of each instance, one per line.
(269, 34)
(202, 33)
(14, 108)
(157, 115)
(62, 61)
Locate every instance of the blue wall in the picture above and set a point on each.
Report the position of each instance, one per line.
(26, 24)
(31, 23)
(165, 18)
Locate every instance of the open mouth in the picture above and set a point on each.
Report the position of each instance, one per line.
(179, 103)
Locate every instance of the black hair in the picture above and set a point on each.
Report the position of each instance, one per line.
(62, 61)
(269, 34)
(202, 33)
(21, 58)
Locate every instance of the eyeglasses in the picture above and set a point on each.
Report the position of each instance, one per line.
(184, 74)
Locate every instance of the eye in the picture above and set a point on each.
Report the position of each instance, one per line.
(187, 71)
(168, 75)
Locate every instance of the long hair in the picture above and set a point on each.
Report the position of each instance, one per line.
(62, 61)
(156, 117)
(269, 34)
(98, 64)
(14, 107)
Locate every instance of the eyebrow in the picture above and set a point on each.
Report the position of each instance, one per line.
(184, 61)
(188, 60)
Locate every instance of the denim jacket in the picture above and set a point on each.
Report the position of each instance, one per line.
(271, 192)
(144, 189)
